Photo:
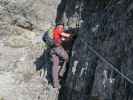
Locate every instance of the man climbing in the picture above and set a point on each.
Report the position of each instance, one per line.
(58, 52)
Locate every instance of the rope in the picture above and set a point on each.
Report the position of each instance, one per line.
(110, 64)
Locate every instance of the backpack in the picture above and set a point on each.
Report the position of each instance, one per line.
(48, 38)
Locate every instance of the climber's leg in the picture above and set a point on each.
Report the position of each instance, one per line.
(55, 70)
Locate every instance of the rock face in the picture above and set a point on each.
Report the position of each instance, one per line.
(104, 25)
(107, 28)
(21, 25)
(30, 14)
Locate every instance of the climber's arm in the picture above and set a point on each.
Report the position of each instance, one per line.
(67, 35)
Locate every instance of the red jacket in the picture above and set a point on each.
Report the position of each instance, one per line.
(57, 35)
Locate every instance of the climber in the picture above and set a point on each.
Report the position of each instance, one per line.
(59, 52)
(54, 38)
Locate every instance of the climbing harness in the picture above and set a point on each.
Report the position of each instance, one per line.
(109, 64)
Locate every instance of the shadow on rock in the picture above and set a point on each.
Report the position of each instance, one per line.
(44, 63)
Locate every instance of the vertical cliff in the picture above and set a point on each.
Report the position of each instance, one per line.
(21, 25)
(106, 30)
